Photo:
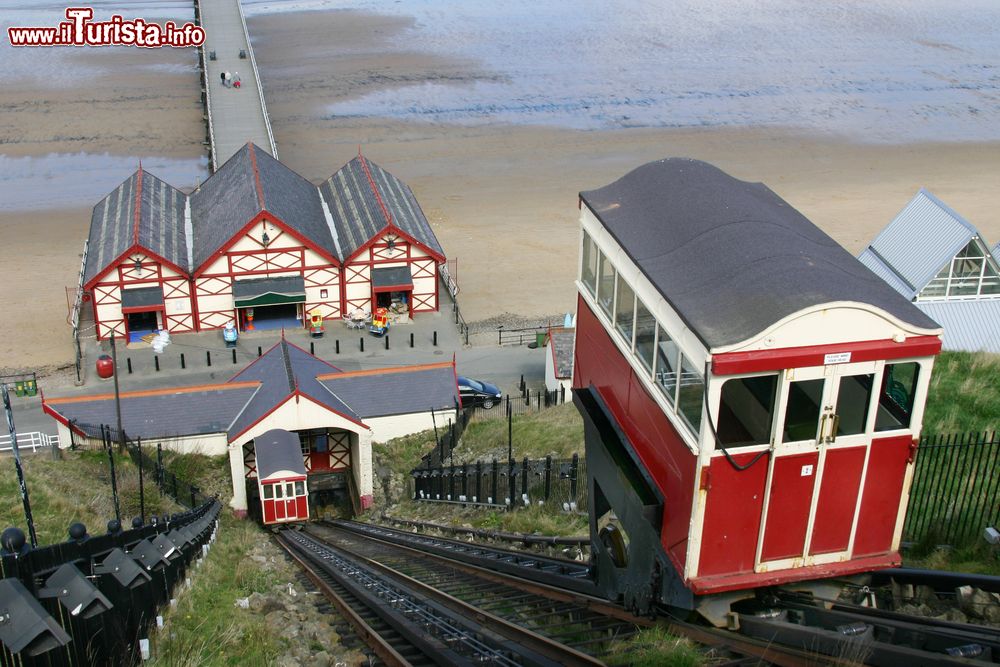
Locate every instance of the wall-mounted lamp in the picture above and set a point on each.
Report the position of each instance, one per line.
(138, 267)
(265, 239)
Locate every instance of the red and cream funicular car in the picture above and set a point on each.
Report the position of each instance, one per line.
(281, 477)
(752, 394)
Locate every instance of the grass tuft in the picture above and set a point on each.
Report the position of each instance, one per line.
(964, 394)
(655, 647)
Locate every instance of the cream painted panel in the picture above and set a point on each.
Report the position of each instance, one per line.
(361, 456)
(295, 416)
(209, 303)
(394, 426)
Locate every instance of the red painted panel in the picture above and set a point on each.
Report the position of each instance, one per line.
(735, 501)
(838, 496)
(303, 507)
(291, 509)
(788, 506)
(730, 363)
(269, 511)
(883, 490)
(279, 510)
(660, 449)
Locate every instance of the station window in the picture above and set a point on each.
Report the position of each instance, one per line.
(667, 359)
(588, 270)
(268, 492)
(625, 310)
(853, 398)
(645, 335)
(746, 411)
(895, 400)
(691, 394)
(606, 286)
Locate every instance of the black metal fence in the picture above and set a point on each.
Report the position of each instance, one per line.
(956, 488)
(92, 600)
(523, 336)
(508, 483)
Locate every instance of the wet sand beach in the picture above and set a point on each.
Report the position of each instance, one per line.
(502, 197)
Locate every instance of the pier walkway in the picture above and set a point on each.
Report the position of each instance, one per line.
(235, 115)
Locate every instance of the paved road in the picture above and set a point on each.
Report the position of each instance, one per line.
(238, 115)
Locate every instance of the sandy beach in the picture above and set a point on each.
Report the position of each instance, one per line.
(502, 198)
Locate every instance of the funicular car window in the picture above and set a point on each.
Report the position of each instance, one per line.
(625, 310)
(606, 286)
(895, 399)
(746, 410)
(645, 335)
(268, 492)
(588, 270)
(691, 394)
(300, 488)
(278, 488)
(802, 410)
(853, 399)
(667, 358)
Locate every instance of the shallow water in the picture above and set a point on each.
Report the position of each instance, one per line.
(889, 70)
(54, 181)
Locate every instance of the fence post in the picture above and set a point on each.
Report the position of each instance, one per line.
(524, 477)
(527, 397)
(511, 481)
(500, 336)
(159, 465)
(173, 477)
(451, 482)
(548, 477)
(479, 482)
(465, 480)
(114, 481)
(495, 482)
(142, 494)
(562, 393)
(574, 468)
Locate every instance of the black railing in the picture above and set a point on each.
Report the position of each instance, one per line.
(523, 336)
(956, 488)
(508, 483)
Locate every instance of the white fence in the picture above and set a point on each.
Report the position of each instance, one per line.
(34, 440)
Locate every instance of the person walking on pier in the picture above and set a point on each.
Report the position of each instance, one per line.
(236, 80)
(222, 75)
(229, 80)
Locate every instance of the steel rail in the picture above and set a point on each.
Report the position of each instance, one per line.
(365, 632)
(542, 645)
(722, 639)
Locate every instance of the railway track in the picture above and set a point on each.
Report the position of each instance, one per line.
(501, 589)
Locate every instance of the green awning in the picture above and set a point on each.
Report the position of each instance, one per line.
(269, 291)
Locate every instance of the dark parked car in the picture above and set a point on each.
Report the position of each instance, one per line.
(477, 392)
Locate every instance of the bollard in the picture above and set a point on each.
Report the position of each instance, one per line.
(337, 345)
(362, 339)
(411, 339)
(156, 362)
(234, 355)
(208, 357)
(128, 362)
(387, 341)
(258, 351)
(183, 364)
(312, 348)
(435, 338)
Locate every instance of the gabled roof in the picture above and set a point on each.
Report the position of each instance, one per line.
(364, 199)
(917, 243)
(732, 257)
(996, 252)
(970, 325)
(249, 182)
(392, 391)
(282, 371)
(153, 414)
(143, 211)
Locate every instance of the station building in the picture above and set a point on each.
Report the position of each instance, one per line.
(258, 244)
(337, 415)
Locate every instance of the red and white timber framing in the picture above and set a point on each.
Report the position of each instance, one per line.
(246, 256)
(388, 249)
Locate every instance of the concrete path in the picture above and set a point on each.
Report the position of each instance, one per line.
(236, 115)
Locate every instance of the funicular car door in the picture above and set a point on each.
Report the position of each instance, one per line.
(817, 465)
(291, 507)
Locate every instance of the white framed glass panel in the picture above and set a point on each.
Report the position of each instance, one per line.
(606, 286)
(853, 399)
(896, 397)
(746, 411)
(690, 394)
(645, 335)
(625, 310)
(268, 492)
(668, 358)
(588, 268)
(300, 488)
(278, 490)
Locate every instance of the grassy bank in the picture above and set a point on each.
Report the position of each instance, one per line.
(77, 487)
(964, 393)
